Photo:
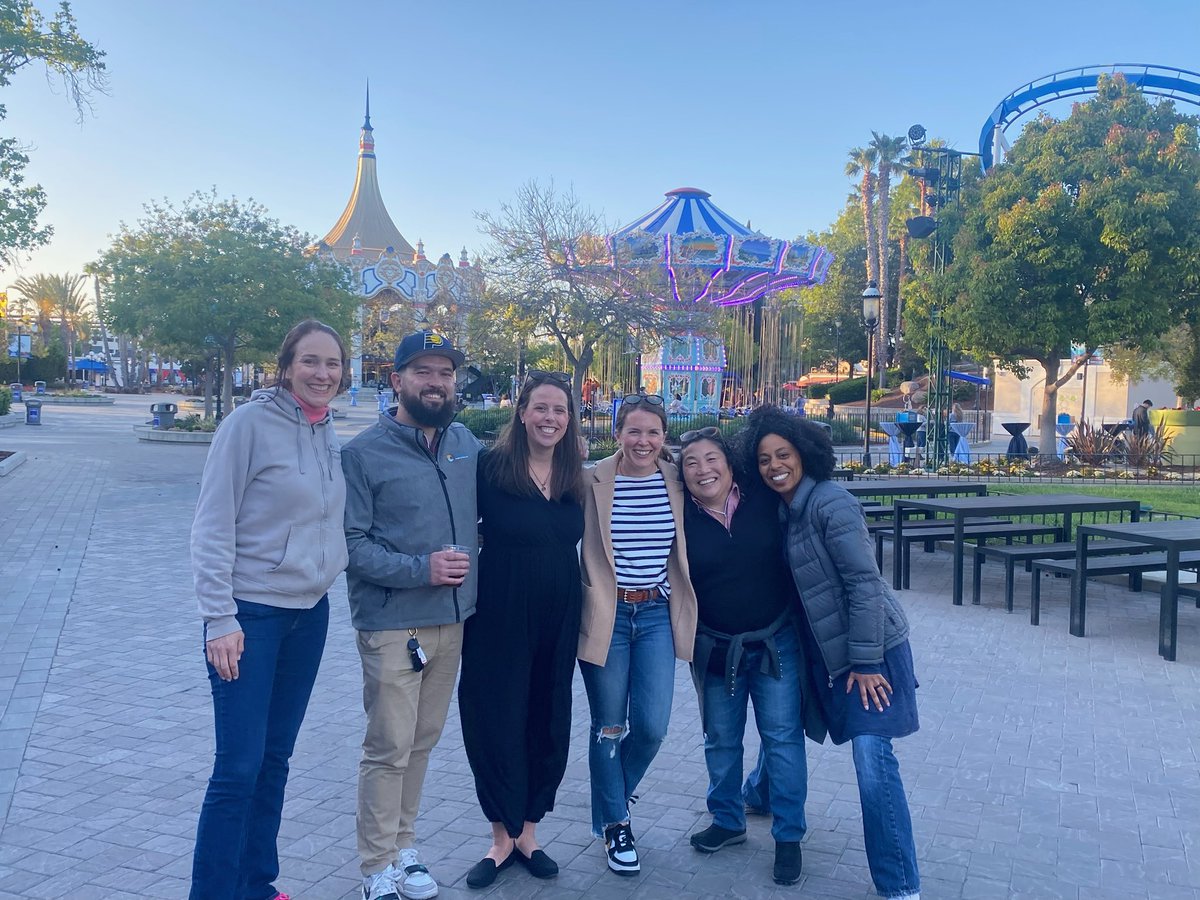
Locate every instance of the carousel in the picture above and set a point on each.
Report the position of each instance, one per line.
(690, 253)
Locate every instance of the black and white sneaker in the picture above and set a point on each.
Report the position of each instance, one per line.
(622, 855)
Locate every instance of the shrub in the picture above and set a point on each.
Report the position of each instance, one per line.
(1090, 444)
(817, 391)
(601, 448)
(845, 432)
(194, 423)
(1150, 449)
(848, 391)
(5, 400)
(485, 422)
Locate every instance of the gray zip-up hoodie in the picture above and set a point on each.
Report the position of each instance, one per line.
(268, 524)
(402, 504)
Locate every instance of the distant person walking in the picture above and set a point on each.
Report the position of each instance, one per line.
(267, 542)
(1141, 418)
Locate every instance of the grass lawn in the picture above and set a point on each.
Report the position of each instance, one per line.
(1174, 499)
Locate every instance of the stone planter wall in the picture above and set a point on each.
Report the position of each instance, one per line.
(148, 433)
(10, 462)
(72, 401)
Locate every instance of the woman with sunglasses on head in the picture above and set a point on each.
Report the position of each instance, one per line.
(747, 648)
(639, 614)
(514, 694)
(854, 632)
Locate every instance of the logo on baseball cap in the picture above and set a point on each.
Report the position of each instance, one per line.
(426, 343)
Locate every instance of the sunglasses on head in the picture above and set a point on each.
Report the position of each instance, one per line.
(539, 375)
(648, 399)
(710, 433)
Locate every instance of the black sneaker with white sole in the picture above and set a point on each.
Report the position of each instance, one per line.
(622, 855)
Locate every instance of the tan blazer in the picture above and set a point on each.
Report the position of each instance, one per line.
(599, 568)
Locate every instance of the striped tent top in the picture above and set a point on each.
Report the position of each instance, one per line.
(643, 531)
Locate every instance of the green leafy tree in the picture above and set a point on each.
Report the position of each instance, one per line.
(218, 275)
(541, 243)
(28, 38)
(1088, 235)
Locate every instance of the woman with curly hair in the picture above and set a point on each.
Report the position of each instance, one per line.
(854, 632)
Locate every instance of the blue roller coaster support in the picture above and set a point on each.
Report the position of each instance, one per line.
(1160, 81)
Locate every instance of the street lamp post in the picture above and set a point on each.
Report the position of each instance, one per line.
(870, 312)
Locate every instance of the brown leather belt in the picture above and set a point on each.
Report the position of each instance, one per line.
(639, 596)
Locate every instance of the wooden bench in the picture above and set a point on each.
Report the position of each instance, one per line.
(973, 531)
(1133, 565)
(1011, 554)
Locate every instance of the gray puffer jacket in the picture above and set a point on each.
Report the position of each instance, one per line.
(854, 616)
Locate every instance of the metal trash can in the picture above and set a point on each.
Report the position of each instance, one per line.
(33, 412)
(16, 389)
(39, 387)
(164, 415)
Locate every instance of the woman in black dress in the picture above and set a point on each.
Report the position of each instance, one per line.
(514, 694)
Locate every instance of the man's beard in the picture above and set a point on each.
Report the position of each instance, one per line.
(424, 415)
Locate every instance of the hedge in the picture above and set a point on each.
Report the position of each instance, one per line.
(5, 400)
(485, 423)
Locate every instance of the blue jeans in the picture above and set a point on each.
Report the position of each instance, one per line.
(887, 825)
(257, 717)
(777, 712)
(630, 700)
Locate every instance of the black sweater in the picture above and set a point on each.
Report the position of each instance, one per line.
(741, 577)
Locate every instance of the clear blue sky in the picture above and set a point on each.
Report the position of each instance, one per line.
(755, 102)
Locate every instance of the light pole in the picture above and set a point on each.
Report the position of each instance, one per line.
(870, 312)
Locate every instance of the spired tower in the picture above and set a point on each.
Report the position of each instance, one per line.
(401, 289)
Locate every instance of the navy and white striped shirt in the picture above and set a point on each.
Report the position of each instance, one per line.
(643, 531)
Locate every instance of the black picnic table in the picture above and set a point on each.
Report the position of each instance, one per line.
(1001, 505)
(912, 487)
(1174, 536)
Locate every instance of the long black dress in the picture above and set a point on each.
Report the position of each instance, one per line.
(514, 694)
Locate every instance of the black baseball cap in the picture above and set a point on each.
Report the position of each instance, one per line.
(426, 343)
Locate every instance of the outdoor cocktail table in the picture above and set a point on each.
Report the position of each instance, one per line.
(963, 508)
(1173, 536)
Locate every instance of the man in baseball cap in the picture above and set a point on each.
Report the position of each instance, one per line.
(424, 343)
(410, 529)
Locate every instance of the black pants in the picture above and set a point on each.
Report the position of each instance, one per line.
(514, 701)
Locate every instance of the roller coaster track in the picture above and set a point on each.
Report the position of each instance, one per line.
(1160, 81)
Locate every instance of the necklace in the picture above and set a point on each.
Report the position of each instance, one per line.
(712, 509)
(542, 483)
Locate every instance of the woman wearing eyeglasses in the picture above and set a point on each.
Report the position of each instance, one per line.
(518, 656)
(639, 614)
(747, 648)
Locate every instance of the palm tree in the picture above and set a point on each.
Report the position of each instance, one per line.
(862, 163)
(58, 300)
(888, 151)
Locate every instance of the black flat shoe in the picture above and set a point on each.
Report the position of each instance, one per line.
(484, 872)
(538, 863)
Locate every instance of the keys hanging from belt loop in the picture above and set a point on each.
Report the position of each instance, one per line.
(414, 650)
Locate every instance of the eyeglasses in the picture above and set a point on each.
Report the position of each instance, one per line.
(711, 433)
(539, 375)
(648, 399)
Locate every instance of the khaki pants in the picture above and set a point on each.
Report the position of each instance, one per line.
(406, 712)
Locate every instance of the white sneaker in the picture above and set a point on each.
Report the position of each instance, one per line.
(381, 885)
(413, 878)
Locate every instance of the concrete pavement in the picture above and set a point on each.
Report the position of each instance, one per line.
(1046, 766)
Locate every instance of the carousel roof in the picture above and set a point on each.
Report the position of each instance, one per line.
(686, 211)
(365, 217)
(706, 254)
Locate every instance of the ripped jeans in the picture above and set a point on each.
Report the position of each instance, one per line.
(630, 699)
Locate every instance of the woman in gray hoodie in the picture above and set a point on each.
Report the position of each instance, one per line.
(267, 542)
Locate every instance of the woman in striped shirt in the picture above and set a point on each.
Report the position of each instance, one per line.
(639, 614)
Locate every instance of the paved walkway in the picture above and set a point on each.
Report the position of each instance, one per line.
(1046, 766)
